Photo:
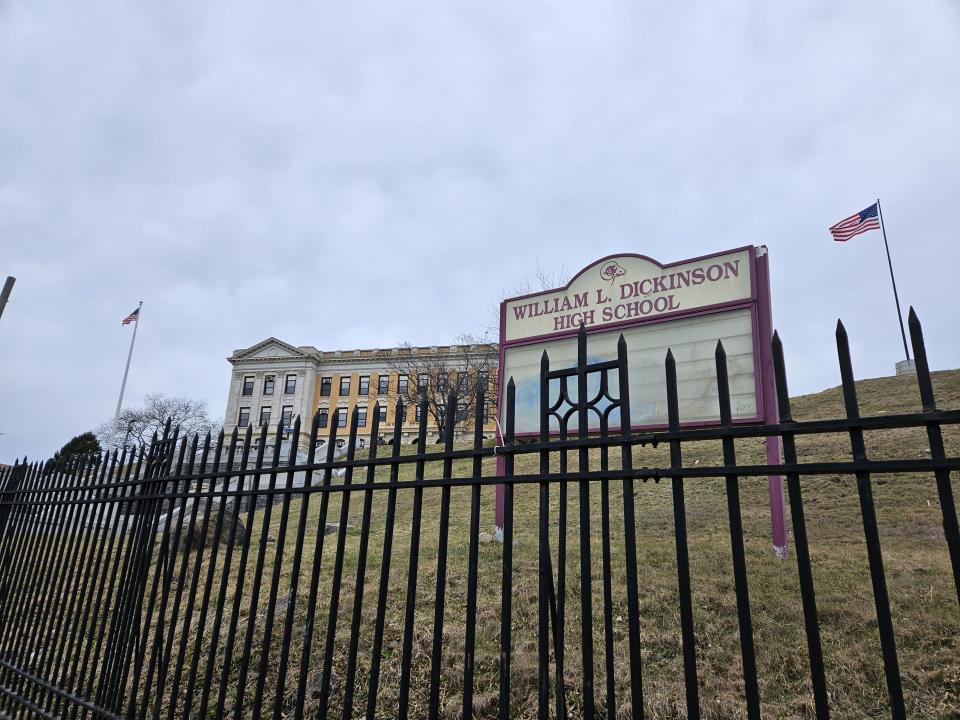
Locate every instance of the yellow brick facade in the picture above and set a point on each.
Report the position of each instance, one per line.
(311, 393)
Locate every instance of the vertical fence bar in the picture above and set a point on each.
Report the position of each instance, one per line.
(470, 630)
(935, 437)
(48, 573)
(139, 630)
(747, 650)
(680, 533)
(93, 561)
(225, 574)
(630, 534)
(165, 561)
(82, 634)
(331, 636)
(398, 417)
(10, 479)
(195, 576)
(808, 596)
(133, 589)
(109, 566)
(256, 579)
(166, 653)
(48, 485)
(294, 576)
(45, 637)
(211, 574)
(506, 584)
(561, 621)
(406, 653)
(436, 655)
(265, 645)
(361, 567)
(110, 623)
(611, 709)
(21, 483)
(171, 555)
(78, 572)
(586, 573)
(867, 511)
(315, 569)
(17, 556)
(251, 501)
(545, 574)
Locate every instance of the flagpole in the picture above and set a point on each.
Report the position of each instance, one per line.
(126, 370)
(896, 299)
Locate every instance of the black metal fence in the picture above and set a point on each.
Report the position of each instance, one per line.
(199, 578)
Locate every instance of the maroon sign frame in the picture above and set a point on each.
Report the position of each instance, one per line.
(758, 303)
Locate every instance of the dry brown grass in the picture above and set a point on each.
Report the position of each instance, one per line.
(924, 604)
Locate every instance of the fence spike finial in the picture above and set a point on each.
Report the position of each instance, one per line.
(841, 330)
(720, 352)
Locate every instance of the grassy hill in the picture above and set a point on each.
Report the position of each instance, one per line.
(924, 605)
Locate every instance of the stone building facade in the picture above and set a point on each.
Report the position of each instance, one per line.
(274, 379)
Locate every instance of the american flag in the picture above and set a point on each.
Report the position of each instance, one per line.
(867, 219)
(132, 317)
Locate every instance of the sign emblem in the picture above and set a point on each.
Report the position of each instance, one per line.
(611, 271)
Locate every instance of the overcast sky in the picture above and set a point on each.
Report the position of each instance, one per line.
(359, 175)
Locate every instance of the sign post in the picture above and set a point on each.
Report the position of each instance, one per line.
(685, 307)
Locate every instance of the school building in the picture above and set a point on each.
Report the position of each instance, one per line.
(273, 380)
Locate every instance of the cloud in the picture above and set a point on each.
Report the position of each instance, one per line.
(364, 175)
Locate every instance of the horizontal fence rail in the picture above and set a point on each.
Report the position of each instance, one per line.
(230, 577)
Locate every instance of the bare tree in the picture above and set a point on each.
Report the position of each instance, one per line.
(541, 280)
(137, 425)
(466, 367)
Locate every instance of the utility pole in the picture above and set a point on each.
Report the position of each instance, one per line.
(5, 293)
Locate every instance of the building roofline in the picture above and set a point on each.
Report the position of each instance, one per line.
(357, 355)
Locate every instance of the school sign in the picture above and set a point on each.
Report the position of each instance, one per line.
(685, 307)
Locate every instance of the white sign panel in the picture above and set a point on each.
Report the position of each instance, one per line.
(693, 342)
(686, 307)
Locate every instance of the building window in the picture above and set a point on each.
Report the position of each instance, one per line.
(361, 417)
(268, 382)
(483, 378)
(265, 415)
(248, 385)
(461, 382)
(382, 410)
(383, 384)
(324, 416)
(422, 382)
(244, 418)
(290, 387)
(344, 385)
(403, 412)
(341, 417)
(402, 381)
(325, 385)
(364, 388)
(286, 416)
